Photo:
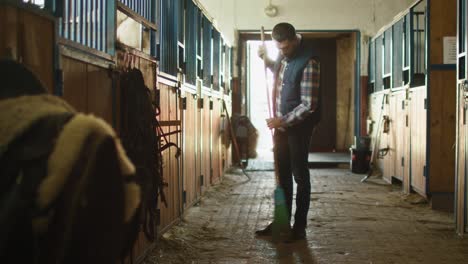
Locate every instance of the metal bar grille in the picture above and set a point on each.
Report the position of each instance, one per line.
(419, 48)
(387, 51)
(84, 22)
(141, 7)
(397, 71)
(216, 59)
(372, 62)
(191, 28)
(378, 63)
(168, 37)
(207, 28)
(461, 25)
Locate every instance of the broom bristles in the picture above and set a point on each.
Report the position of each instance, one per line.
(281, 219)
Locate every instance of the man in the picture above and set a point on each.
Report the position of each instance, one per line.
(296, 112)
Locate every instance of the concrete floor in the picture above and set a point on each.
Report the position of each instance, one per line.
(349, 222)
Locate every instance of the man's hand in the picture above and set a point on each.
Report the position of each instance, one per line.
(274, 122)
(262, 52)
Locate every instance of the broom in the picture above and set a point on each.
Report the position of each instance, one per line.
(281, 219)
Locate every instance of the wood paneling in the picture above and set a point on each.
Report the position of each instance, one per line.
(418, 123)
(442, 131)
(204, 141)
(205, 144)
(100, 95)
(387, 138)
(37, 44)
(398, 126)
(75, 83)
(443, 22)
(174, 187)
(29, 38)
(461, 163)
(88, 88)
(174, 164)
(375, 113)
(227, 147)
(216, 141)
(191, 183)
(364, 102)
(9, 26)
(345, 76)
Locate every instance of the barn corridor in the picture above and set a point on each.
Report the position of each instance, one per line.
(349, 222)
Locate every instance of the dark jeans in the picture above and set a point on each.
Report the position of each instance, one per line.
(291, 154)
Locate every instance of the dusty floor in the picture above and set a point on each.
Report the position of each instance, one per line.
(349, 222)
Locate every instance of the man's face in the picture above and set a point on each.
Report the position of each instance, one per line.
(287, 47)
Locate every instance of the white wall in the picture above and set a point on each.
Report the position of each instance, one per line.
(367, 16)
(223, 15)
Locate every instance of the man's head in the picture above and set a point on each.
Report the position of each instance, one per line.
(284, 36)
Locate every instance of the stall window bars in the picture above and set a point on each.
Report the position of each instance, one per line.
(144, 8)
(168, 36)
(85, 22)
(207, 37)
(216, 59)
(191, 39)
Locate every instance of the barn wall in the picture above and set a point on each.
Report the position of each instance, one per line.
(29, 37)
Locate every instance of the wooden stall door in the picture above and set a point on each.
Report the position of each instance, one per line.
(204, 136)
(169, 110)
(170, 192)
(387, 138)
(375, 113)
(29, 37)
(227, 144)
(200, 165)
(216, 141)
(399, 124)
(205, 145)
(189, 150)
(418, 123)
(461, 203)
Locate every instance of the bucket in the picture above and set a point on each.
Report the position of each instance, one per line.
(362, 143)
(360, 160)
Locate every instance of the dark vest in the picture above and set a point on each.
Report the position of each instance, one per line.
(291, 90)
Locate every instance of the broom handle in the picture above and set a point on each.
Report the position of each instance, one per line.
(262, 37)
(233, 136)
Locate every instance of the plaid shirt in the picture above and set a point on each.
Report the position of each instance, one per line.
(310, 85)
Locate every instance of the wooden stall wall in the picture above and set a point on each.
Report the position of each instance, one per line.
(400, 133)
(393, 137)
(227, 144)
(205, 141)
(216, 141)
(89, 88)
(28, 36)
(345, 76)
(171, 164)
(375, 113)
(418, 123)
(394, 142)
(461, 160)
(169, 119)
(189, 152)
(442, 135)
(442, 101)
(461, 191)
(388, 134)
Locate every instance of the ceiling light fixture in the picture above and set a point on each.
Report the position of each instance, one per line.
(271, 10)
